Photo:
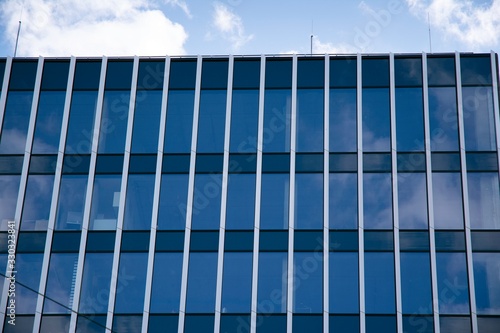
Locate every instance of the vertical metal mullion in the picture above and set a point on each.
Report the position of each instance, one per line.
(189, 211)
(496, 108)
(430, 199)
(291, 208)
(258, 189)
(5, 91)
(123, 193)
(220, 261)
(24, 173)
(465, 195)
(359, 105)
(395, 207)
(326, 189)
(156, 198)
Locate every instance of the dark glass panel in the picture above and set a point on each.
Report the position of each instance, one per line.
(142, 164)
(307, 240)
(344, 323)
(379, 241)
(441, 71)
(309, 201)
(55, 75)
(475, 70)
(22, 323)
(375, 72)
(176, 163)
(91, 324)
(343, 201)
(96, 282)
(275, 162)
(105, 202)
(272, 286)
(408, 72)
(343, 240)
(274, 201)
(241, 163)
(146, 122)
(486, 268)
(37, 200)
(343, 284)
(169, 241)
(199, 324)
(379, 282)
(31, 242)
(9, 186)
(139, 202)
(11, 164)
(15, 122)
(310, 120)
(127, 323)
(60, 283)
(486, 241)
(212, 121)
(2, 70)
(182, 74)
(443, 119)
(377, 162)
(414, 240)
(214, 74)
(304, 323)
(279, 73)
(273, 240)
(135, 241)
(409, 119)
(151, 75)
(450, 241)
(207, 201)
(87, 75)
(416, 283)
(310, 73)
(376, 120)
(343, 162)
(240, 201)
(101, 241)
(377, 201)
(202, 276)
(244, 119)
(412, 200)
(161, 324)
(204, 241)
(42, 164)
(27, 278)
(484, 200)
(110, 164)
(114, 122)
(55, 324)
(81, 122)
(209, 163)
(343, 72)
(64, 241)
(277, 120)
(418, 324)
(271, 323)
(481, 161)
(343, 131)
(238, 240)
(166, 289)
(235, 323)
(452, 282)
(445, 162)
(455, 324)
(48, 122)
(237, 282)
(246, 74)
(173, 201)
(381, 324)
(23, 75)
(131, 283)
(447, 195)
(411, 162)
(479, 120)
(179, 126)
(119, 74)
(488, 324)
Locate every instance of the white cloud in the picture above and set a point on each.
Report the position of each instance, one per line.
(476, 25)
(230, 25)
(91, 28)
(182, 5)
(341, 48)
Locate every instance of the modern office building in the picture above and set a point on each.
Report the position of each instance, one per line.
(333, 193)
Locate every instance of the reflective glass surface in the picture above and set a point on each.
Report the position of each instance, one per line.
(146, 121)
(343, 137)
(376, 120)
(484, 200)
(308, 282)
(408, 71)
(173, 201)
(277, 113)
(37, 200)
(166, 289)
(48, 122)
(23, 74)
(139, 202)
(274, 201)
(60, 283)
(96, 283)
(237, 282)
(479, 122)
(212, 119)
(214, 73)
(81, 122)
(447, 196)
(441, 71)
(452, 283)
(131, 283)
(206, 201)
(416, 283)
(409, 119)
(375, 72)
(9, 186)
(412, 200)
(114, 121)
(343, 201)
(309, 201)
(15, 122)
(27, 276)
(105, 202)
(240, 201)
(475, 70)
(182, 74)
(202, 276)
(379, 282)
(151, 74)
(377, 201)
(343, 284)
(244, 118)
(272, 287)
(310, 120)
(443, 119)
(179, 126)
(71, 202)
(246, 73)
(486, 268)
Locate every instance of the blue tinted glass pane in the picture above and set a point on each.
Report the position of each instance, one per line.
(105, 202)
(119, 74)
(182, 74)
(376, 120)
(15, 122)
(344, 324)
(309, 201)
(48, 122)
(2, 70)
(55, 323)
(343, 137)
(308, 282)
(114, 121)
(206, 201)
(447, 196)
(375, 72)
(310, 73)
(240, 201)
(87, 75)
(381, 324)
(23, 75)
(55, 75)
(343, 72)
(146, 121)
(272, 286)
(486, 268)
(408, 71)
(443, 119)
(343, 284)
(91, 324)
(310, 120)
(96, 283)
(81, 122)
(36, 207)
(179, 126)
(418, 324)
(279, 73)
(343, 201)
(475, 70)
(212, 121)
(246, 74)
(409, 119)
(452, 286)
(202, 276)
(455, 324)
(416, 283)
(71, 202)
(60, 283)
(131, 283)
(9, 186)
(484, 200)
(27, 277)
(237, 282)
(274, 201)
(377, 200)
(379, 282)
(139, 202)
(244, 118)
(166, 290)
(412, 200)
(173, 201)
(277, 113)
(214, 74)
(441, 71)
(479, 122)
(151, 74)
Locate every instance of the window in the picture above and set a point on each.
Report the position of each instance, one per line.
(9, 186)
(416, 283)
(212, 121)
(105, 202)
(343, 284)
(179, 125)
(452, 281)
(15, 122)
(81, 122)
(310, 120)
(131, 283)
(484, 200)
(277, 113)
(60, 283)
(114, 121)
(377, 201)
(96, 282)
(274, 201)
(237, 282)
(71, 203)
(37, 201)
(173, 201)
(343, 128)
(139, 202)
(244, 118)
(240, 201)
(48, 122)
(272, 286)
(479, 122)
(28, 267)
(447, 194)
(486, 268)
(443, 118)
(412, 200)
(309, 201)
(166, 290)
(207, 201)
(376, 120)
(409, 119)
(379, 282)
(202, 276)
(146, 121)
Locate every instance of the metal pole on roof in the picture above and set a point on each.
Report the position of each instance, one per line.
(17, 38)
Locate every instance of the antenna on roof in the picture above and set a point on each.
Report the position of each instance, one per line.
(312, 35)
(430, 38)
(19, 29)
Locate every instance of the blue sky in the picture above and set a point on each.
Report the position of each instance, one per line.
(178, 27)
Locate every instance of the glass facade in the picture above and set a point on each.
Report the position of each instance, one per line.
(250, 194)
